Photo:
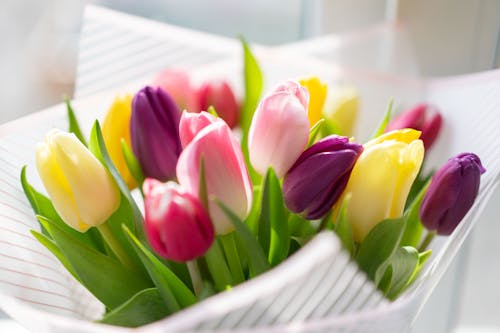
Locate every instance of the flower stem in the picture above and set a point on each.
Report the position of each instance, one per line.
(115, 245)
(194, 273)
(217, 267)
(427, 240)
(229, 245)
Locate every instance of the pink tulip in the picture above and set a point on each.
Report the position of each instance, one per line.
(219, 95)
(192, 123)
(279, 130)
(422, 117)
(177, 226)
(225, 172)
(178, 85)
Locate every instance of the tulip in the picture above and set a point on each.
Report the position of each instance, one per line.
(317, 92)
(294, 88)
(82, 191)
(451, 193)
(177, 226)
(192, 123)
(154, 130)
(226, 174)
(424, 118)
(279, 130)
(318, 178)
(341, 110)
(219, 95)
(116, 126)
(381, 179)
(178, 85)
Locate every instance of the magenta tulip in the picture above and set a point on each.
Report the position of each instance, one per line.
(226, 174)
(219, 95)
(192, 123)
(176, 223)
(424, 118)
(279, 130)
(177, 83)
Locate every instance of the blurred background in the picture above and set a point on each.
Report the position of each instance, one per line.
(39, 56)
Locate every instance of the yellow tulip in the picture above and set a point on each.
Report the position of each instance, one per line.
(317, 96)
(116, 126)
(381, 179)
(341, 110)
(81, 189)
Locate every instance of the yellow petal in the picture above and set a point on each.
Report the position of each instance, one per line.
(116, 126)
(95, 193)
(372, 184)
(405, 135)
(341, 109)
(57, 187)
(317, 95)
(410, 160)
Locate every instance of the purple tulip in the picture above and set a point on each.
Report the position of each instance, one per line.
(319, 176)
(451, 193)
(154, 132)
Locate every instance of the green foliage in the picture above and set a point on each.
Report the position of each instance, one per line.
(143, 308)
(383, 124)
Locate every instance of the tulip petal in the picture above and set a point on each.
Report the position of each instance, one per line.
(58, 187)
(97, 199)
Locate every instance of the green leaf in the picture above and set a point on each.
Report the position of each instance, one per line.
(74, 127)
(228, 243)
(143, 308)
(422, 259)
(253, 82)
(403, 263)
(52, 247)
(255, 254)
(218, 267)
(378, 247)
(98, 148)
(103, 276)
(343, 227)
(315, 132)
(414, 228)
(43, 206)
(132, 164)
(252, 221)
(212, 111)
(174, 292)
(383, 124)
(385, 282)
(300, 227)
(203, 192)
(273, 224)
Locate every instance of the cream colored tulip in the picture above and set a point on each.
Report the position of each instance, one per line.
(341, 109)
(81, 189)
(382, 178)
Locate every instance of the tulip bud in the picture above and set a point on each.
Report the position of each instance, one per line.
(279, 130)
(424, 118)
(381, 179)
(177, 226)
(116, 126)
(219, 95)
(226, 174)
(294, 88)
(318, 178)
(82, 191)
(192, 123)
(178, 85)
(154, 130)
(341, 110)
(317, 96)
(452, 192)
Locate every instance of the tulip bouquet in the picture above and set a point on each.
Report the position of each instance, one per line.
(229, 192)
